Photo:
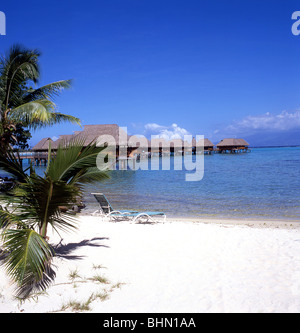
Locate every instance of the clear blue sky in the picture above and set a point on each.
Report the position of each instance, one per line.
(213, 67)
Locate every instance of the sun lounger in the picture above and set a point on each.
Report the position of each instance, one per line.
(105, 206)
(107, 210)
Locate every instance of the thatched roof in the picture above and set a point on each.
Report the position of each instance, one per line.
(62, 140)
(205, 143)
(231, 142)
(112, 134)
(43, 144)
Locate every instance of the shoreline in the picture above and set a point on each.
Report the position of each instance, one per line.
(258, 223)
(174, 266)
(250, 222)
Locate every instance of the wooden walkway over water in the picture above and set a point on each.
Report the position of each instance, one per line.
(37, 158)
(41, 158)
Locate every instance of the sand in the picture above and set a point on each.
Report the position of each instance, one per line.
(180, 266)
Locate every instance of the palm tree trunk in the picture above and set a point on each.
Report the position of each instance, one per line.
(5, 130)
(4, 141)
(43, 228)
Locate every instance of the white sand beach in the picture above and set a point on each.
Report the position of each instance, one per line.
(178, 266)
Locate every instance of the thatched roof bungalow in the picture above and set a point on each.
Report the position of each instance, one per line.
(61, 141)
(205, 143)
(161, 145)
(113, 135)
(232, 145)
(43, 145)
(110, 134)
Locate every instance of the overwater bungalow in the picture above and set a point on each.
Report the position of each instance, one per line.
(133, 146)
(162, 146)
(40, 152)
(232, 145)
(207, 145)
(111, 135)
(42, 145)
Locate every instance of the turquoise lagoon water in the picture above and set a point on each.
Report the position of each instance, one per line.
(264, 184)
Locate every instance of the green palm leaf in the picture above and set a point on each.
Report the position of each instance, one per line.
(11, 163)
(74, 162)
(37, 203)
(91, 175)
(39, 113)
(19, 103)
(49, 91)
(28, 256)
(16, 68)
(9, 219)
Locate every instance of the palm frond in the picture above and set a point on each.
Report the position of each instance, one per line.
(11, 163)
(16, 68)
(74, 160)
(28, 256)
(57, 118)
(90, 175)
(38, 201)
(9, 218)
(32, 111)
(65, 222)
(21, 104)
(49, 91)
(43, 197)
(39, 113)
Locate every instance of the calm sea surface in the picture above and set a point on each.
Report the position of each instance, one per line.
(263, 184)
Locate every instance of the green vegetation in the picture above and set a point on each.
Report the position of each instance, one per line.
(21, 105)
(35, 203)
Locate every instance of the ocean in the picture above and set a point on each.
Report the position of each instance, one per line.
(262, 184)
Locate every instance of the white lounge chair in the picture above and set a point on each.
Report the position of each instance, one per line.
(106, 210)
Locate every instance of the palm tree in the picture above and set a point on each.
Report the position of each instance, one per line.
(34, 204)
(22, 104)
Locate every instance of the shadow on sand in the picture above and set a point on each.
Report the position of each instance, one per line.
(64, 250)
